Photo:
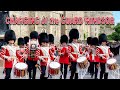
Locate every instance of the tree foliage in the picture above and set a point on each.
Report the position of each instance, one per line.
(115, 35)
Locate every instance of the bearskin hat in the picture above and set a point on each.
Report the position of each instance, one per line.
(51, 38)
(26, 39)
(102, 38)
(10, 35)
(95, 41)
(63, 39)
(43, 37)
(89, 40)
(34, 34)
(74, 34)
(21, 41)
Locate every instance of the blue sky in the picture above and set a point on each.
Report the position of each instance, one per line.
(116, 15)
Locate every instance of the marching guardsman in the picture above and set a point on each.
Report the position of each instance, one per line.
(64, 57)
(52, 47)
(94, 59)
(103, 51)
(44, 54)
(87, 50)
(8, 53)
(26, 39)
(20, 53)
(32, 55)
(75, 50)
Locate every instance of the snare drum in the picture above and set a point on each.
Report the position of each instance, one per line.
(82, 62)
(20, 69)
(111, 64)
(54, 68)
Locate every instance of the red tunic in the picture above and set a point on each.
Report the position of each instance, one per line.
(105, 52)
(92, 55)
(27, 51)
(52, 51)
(45, 54)
(19, 54)
(6, 53)
(87, 52)
(94, 58)
(73, 51)
(64, 58)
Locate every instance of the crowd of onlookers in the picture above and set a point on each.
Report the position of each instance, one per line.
(115, 47)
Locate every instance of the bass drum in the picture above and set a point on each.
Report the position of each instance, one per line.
(82, 62)
(20, 69)
(112, 64)
(54, 68)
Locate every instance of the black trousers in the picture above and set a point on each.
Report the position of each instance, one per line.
(94, 69)
(43, 70)
(88, 67)
(31, 66)
(102, 72)
(65, 69)
(7, 73)
(73, 70)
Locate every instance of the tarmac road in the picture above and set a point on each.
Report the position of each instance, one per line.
(87, 76)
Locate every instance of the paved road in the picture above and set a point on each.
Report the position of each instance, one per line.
(87, 76)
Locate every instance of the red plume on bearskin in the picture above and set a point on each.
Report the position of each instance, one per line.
(10, 35)
(63, 39)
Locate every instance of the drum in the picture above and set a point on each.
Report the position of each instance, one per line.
(20, 69)
(111, 64)
(54, 68)
(82, 62)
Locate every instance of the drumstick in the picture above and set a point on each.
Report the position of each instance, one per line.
(37, 65)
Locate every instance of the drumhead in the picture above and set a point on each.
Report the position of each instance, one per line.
(111, 61)
(54, 65)
(21, 66)
(81, 59)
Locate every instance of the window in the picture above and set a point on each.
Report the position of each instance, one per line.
(95, 34)
(95, 29)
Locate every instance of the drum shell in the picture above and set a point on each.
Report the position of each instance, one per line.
(53, 71)
(83, 65)
(20, 72)
(112, 66)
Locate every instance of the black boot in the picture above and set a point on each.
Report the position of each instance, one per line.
(76, 75)
(101, 75)
(92, 75)
(60, 76)
(41, 76)
(106, 76)
(72, 75)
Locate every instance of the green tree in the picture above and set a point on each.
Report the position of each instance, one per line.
(115, 35)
